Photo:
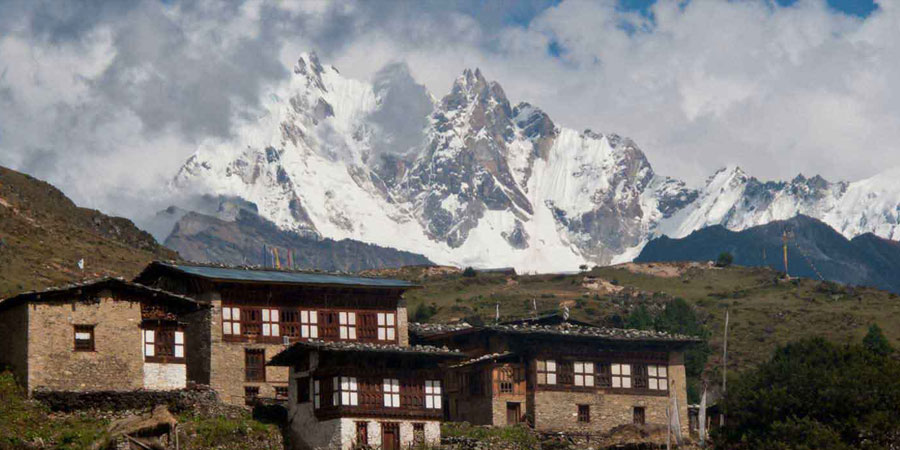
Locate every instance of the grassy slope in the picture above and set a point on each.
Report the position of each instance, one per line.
(763, 314)
(43, 235)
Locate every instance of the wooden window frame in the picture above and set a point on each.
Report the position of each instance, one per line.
(584, 413)
(604, 375)
(231, 321)
(418, 434)
(657, 377)
(545, 370)
(391, 392)
(639, 415)
(84, 345)
(622, 374)
(387, 326)
(309, 324)
(271, 323)
(163, 344)
(506, 380)
(433, 394)
(345, 391)
(251, 395)
(362, 434)
(347, 325)
(584, 375)
(317, 394)
(257, 372)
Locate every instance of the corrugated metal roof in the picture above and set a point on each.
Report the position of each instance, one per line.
(284, 276)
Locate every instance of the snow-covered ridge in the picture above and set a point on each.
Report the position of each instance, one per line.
(470, 179)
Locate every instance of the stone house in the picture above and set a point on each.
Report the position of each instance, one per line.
(102, 335)
(346, 394)
(561, 376)
(257, 313)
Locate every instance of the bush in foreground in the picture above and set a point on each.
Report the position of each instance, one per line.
(814, 394)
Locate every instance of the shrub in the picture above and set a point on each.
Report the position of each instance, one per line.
(815, 394)
(724, 260)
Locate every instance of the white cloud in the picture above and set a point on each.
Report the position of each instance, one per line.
(107, 100)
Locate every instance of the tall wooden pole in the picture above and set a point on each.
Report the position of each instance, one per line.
(668, 426)
(724, 370)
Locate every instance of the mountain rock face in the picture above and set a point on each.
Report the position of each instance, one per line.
(472, 179)
(814, 249)
(239, 241)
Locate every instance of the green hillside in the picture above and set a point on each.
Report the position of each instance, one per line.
(43, 234)
(764, 311)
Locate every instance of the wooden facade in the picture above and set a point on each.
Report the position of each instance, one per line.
(256, 312)
(550, 375)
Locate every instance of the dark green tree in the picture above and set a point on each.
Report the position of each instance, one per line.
(725, 259)
(639, 319)
(469, 272)
(679, 317)
(815, 394)
(423, 312)
(876, 342)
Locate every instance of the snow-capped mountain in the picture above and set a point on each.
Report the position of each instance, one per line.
(738, 201)
(470, 179)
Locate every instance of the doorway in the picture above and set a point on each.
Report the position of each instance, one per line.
(513, 413)
(390, 436)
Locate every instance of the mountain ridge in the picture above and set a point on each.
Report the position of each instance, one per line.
(489, 183)
(814, 249)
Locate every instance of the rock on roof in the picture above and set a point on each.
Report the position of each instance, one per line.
(434, 329)
(269, 275)
(96, 285)
(426, 330)
(289, 356)
(483, 358)
(618, 334)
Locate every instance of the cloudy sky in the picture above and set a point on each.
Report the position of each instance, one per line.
(107, 99)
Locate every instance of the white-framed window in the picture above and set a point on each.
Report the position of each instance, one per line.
(317, 394)
(546, 371)
(657, 377)
(621, 376)
(391, 393)
(165, 343)
(387, 326)
(346, 391)
(309, 327)
(179, 344)
(584, 374)
(231, 320)
(433, 394)
(347, 322)
(149, 343)
(270, 326)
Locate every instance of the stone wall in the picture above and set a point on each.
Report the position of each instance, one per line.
(558, 410)
(116, 364)
(227, 375)
(475, 410)
(177, 400)
(14, 341)
(164, 376)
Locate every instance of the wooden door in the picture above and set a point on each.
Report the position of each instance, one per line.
(513, 412)
(390, 436)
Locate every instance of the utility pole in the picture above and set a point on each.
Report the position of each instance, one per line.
(724, 369)
(784, 242)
